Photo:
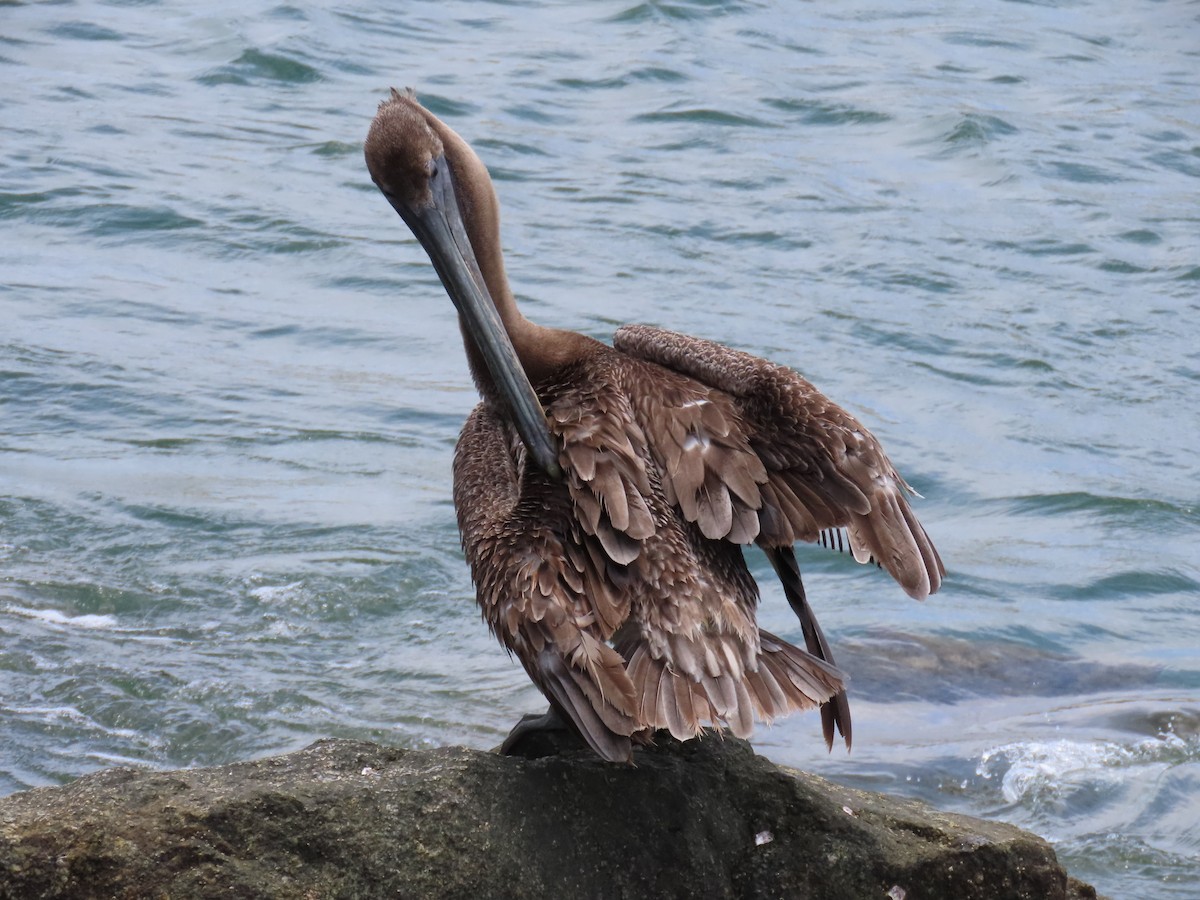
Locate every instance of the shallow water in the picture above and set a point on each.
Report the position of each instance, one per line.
(231, 384)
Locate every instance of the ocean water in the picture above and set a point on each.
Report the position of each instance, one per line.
(230, 383)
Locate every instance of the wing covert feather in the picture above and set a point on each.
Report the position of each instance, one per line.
(603, 467)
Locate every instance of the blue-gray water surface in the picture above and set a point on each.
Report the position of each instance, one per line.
(230, 383)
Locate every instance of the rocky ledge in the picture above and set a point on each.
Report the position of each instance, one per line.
(707, 818)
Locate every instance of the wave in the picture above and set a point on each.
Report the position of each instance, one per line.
(54, 617)
(1040, 773)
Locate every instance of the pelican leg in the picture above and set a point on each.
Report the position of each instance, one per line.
(835, 712)
(537, 736)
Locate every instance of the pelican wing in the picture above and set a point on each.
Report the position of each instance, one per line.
(815, 465)
(547, 591)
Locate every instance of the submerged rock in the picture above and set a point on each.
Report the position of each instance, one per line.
(706, 818)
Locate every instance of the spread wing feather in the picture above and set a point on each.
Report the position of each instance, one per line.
(814, 465)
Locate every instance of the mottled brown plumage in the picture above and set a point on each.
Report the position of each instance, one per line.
(603, 492)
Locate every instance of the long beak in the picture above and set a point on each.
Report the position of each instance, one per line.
(439, 227)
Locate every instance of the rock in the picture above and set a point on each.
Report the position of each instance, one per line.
(705, 818)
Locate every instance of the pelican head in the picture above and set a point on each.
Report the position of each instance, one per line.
(436, 183)
(401, 149)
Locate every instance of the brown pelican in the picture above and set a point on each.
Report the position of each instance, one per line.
(603, 493)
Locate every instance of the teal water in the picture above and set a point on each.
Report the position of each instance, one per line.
(230, 384)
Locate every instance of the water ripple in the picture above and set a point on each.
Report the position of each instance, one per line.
(85, 31)
(703, 116)
(815, 112)
(255, 65)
